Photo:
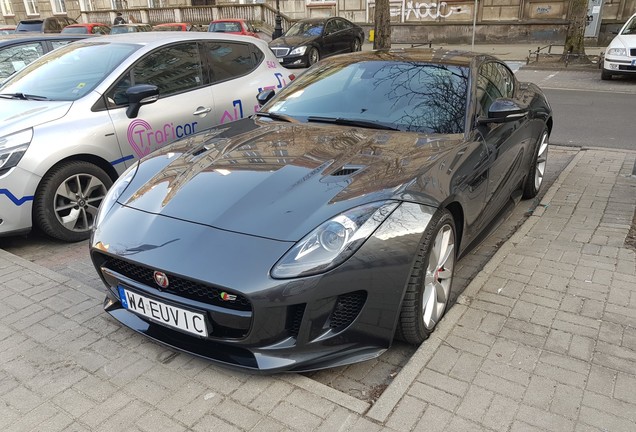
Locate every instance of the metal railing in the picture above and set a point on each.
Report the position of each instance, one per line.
(198, 15)
(546, 53)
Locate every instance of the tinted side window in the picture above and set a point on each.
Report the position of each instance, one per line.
(230, 60)
(173, 69)
(331, 27)
(14, 58)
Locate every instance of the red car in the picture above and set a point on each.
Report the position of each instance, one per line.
(174, 27)
(234, 26)
(87, 28)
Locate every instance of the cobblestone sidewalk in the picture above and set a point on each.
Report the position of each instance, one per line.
(543, 339)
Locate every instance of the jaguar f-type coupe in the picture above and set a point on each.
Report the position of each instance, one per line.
(314, 232)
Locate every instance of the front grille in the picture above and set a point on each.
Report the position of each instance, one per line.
(347, 308)
(632, 52)
(182, 287)
(280, 52)
(626, 68)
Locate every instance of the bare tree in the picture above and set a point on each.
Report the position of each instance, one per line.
(382, 25)
(574, 49)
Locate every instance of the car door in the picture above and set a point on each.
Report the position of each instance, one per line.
(503, 140)
(228, 61)
(185, 105)
(331, 39)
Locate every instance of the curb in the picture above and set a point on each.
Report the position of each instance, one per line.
(385, 404)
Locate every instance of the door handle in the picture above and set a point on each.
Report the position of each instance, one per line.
(202, 110)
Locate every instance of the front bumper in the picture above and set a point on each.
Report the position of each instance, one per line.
(294, 61)
(17, 190)
(343, 316)
(620, 65)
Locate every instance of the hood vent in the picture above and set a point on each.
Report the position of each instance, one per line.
(346, 170)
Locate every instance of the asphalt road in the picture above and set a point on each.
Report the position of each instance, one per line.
(587, 110)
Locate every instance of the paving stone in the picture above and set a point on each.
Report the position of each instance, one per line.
(296, 419)
(501, 413)
(406, 414)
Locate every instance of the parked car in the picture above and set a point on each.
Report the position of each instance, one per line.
(175, 27)
(234, 26)
(53, 24)
(7, 29)
(130, 28)
(87, 28)
(620, 55)
(311, 233)
(122, 97)
(309, 40)
(17, 51)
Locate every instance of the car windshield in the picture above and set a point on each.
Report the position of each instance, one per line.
(407, 96)
(630, 27)
(69, 72)
(223, 27)
(305, 29)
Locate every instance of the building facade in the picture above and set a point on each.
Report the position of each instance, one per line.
(413, 21)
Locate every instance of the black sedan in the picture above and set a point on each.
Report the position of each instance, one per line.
(312, 233)
(309, 40)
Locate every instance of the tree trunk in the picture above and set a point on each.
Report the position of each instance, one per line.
(382, 25)
(574, 49)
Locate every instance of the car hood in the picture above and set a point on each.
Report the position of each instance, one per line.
(17, 115)
(292, 41)
(280, 180)
(623, 41)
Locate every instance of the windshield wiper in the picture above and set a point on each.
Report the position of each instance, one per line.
(23, 96)
(347, 122)
(273, 116)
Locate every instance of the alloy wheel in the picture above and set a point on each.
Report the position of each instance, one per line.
(77, 200)
(439, 275)
(542, 159)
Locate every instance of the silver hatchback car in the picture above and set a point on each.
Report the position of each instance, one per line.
(72, 121)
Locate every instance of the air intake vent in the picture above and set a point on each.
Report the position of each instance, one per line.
(347, 308)
(295, 318)
(346, 170)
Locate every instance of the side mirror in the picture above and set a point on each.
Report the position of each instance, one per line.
(263, 97)
(503, 110)
(138, 95)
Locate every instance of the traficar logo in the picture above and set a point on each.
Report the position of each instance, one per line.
(144, 139)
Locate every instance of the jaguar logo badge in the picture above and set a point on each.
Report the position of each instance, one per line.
(161, 279)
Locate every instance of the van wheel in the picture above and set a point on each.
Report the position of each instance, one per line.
(67, 199)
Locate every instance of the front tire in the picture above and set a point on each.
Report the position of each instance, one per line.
(537, 168)
(313, 56)
(356, 45)
(67, 200)
(429, 286)
(605, 74)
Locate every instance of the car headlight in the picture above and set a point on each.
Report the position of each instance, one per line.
(13, 147)
(333, 241)
(298, 51)
(617, 52)
(115, 192)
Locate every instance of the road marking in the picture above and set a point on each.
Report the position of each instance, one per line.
(588, 90)
(551, 76)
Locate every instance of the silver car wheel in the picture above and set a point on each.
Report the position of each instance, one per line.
(439, 276)
(77, 200)
(542, 160)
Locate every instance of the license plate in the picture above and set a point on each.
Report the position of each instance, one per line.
(171, 316)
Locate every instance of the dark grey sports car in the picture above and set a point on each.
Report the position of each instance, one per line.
(311, 234)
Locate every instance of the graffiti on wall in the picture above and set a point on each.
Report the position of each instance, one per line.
(541, 10)
(414, 10)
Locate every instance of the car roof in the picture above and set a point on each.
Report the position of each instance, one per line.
(425, 55)
(11, 39)
(161, 38)
(227, 20)
(85, 24)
